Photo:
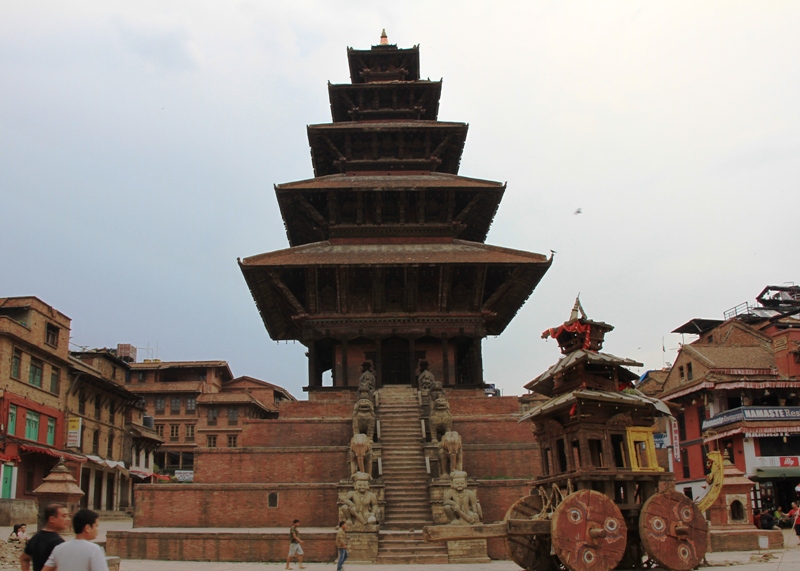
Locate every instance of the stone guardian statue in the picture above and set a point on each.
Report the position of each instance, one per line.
(460, 504)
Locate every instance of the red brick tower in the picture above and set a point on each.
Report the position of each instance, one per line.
(387, 260)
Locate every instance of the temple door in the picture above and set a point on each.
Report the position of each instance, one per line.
(395, 366)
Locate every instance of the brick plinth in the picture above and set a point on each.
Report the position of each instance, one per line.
(362, 547)
(744, 539)
(467, 551)
(184, 545)
(234, 505)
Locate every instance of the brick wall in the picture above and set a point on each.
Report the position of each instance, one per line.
(318, 546)
(496, 496)
(296, 432)
(322, 409)
(234, 505)
(253, 465)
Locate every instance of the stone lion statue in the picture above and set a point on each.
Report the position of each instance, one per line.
(440, 420)
(450, 453)
(364, 417)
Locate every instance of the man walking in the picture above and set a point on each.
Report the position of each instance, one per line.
(341, 544)
(39, 547)
(80, 554)
(295, 546)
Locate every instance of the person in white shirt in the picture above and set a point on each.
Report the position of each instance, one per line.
(80, 554)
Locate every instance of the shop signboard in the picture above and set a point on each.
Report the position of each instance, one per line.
(779, 413)
(661, 440)
(184, 475)
(676, 440)
(778, 461)
(74, 432)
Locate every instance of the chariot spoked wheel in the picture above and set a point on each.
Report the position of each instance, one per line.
(673, 531)
(531, 552)
(588, 532)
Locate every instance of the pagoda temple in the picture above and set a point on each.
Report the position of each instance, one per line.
(387, 263)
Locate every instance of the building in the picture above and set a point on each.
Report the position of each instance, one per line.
(387, 268)
(387, 263)
(198, 403)
(34, 379)
(738, 383)
(114, 434)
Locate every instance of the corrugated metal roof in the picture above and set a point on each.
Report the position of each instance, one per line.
(624, 398)
(544, 382)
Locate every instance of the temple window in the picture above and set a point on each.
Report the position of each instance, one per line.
(562, 455)
(618, 446)
(596, 452)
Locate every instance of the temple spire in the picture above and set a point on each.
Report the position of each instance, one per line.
(384, 38)
(577, 308)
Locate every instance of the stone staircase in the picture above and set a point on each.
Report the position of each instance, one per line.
(405, 478)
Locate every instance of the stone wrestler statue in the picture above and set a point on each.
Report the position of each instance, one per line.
(360, 506)
(460, 504)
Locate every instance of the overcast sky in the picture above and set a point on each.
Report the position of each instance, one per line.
(140, 141)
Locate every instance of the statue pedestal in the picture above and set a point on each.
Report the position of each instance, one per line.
(362, 547)
(467, 551)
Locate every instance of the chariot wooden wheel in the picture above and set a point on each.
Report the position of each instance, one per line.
(588, 532)
(673, 531)
(531, 552)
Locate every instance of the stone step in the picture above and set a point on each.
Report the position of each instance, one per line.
(412, 559)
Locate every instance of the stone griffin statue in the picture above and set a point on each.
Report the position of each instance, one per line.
(360, 454)
(364, 418)
(440, 420)
(360, 506)
(425, 380)
(460, 504)
(366, 382)
(450, 454)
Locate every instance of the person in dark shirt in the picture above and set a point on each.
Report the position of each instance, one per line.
(767, 520)
(44, 541)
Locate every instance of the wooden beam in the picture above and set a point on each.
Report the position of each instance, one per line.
(444, 287)
(472, 204)
(276, 279)
(454, 532)
(503, 288)
(312, 212)
(480, 283)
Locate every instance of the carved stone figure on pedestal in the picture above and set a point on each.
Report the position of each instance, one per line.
(366, 382)
(360, 454)
(450, 454)
(440, 420)
(364, 418)
(436, 392)
(425, 380)
(460, 504)
(360, 506)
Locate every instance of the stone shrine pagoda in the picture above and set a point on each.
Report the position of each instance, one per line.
(387, 263)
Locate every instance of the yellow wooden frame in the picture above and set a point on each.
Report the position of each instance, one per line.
(643, 435)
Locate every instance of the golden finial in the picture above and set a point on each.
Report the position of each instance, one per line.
(384, 38)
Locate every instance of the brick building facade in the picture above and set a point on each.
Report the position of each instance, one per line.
(738, 383)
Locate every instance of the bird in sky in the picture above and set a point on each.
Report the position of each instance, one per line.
(578, 211)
